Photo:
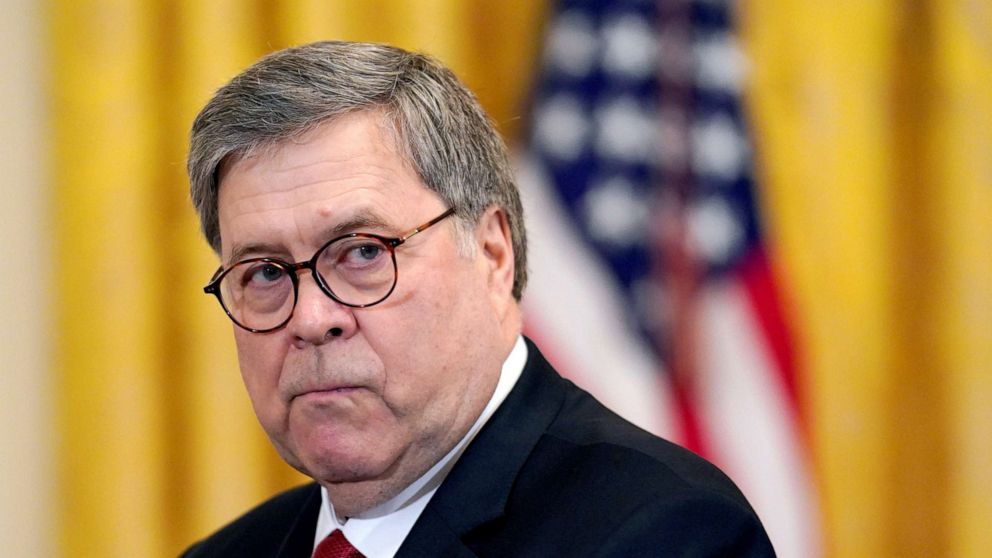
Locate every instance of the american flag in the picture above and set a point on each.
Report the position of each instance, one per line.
(650, 284)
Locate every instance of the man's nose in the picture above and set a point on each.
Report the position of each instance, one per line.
(317, 317)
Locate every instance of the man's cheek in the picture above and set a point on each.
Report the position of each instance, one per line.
(257, 357)
(261, 381)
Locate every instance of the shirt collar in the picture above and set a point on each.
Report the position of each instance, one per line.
(381, 530)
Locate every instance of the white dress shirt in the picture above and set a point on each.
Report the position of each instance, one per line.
(379, 532)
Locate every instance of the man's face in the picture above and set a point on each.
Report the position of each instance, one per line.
(368, 397)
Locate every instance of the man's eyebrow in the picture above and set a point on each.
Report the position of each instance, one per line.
(241, 252)
(354, 223)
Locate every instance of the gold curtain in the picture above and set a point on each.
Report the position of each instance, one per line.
(159, 445)
(874, 125)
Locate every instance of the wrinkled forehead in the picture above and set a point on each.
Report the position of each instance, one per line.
(369, 135)
(390, 136)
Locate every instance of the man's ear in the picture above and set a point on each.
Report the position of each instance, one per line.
(495, 245)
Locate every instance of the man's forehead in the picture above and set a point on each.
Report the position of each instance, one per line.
(309, 219)
(352, 146)
(313, 211)
(373, 123)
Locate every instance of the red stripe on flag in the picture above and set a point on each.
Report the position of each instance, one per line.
(691, 430)
(754, 273)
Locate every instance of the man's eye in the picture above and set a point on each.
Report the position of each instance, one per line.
(355, 254)
(360, 256)
(366, 252)
(263, 274)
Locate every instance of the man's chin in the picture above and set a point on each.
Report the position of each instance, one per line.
(353, 486)
(334, 466)
(341, 472)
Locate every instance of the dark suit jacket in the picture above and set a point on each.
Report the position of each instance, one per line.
(553, 473)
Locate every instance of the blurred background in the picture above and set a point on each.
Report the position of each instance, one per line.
(761, 228)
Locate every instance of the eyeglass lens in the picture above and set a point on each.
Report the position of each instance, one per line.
(358, 270)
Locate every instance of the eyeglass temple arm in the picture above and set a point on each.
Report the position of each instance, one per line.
(420, 228)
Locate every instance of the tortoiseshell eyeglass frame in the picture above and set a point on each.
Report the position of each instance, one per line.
(293, 269)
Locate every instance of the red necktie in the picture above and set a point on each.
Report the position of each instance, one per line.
(336, 546)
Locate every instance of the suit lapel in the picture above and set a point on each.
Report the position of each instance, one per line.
(299, 541)
(432, 536)
(477, 488)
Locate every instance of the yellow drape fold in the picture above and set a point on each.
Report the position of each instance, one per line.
(962, 306)
(873, 125)
(109, 280)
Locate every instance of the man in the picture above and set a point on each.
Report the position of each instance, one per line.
(372, 259)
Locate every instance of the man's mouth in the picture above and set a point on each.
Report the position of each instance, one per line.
(327, 393)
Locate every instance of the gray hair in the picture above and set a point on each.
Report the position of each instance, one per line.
(440, 127)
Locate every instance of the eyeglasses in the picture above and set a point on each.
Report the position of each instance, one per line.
(260, 294)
